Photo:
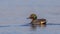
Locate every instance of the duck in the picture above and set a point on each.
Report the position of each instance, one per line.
(36, 21)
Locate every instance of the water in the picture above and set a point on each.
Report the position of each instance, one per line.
(17, 29)
(13, 14)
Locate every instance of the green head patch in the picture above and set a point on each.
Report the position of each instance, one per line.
(34, 16)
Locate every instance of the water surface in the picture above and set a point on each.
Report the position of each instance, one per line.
(13, 14)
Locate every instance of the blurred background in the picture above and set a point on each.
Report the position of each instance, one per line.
(14, 14)
(16, 11)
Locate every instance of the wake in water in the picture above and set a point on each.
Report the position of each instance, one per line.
(46, 24)
(52, 24)
(28, 24)
(5, 26)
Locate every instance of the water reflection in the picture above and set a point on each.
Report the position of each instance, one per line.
(44, 25)
(34, 27)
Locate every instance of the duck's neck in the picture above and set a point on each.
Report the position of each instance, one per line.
(33, 20)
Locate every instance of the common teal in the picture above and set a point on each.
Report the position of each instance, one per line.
(36, 21)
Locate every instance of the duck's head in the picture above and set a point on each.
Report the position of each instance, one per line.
(33, 16)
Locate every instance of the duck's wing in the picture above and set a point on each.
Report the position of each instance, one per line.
(41, 19)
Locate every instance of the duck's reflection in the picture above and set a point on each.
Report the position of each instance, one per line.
(43, 25)
(35, 26)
